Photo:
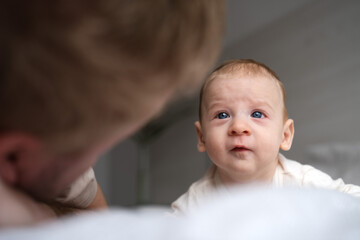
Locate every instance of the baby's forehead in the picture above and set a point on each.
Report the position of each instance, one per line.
(242, 70)
(261, 88)
(255, 78)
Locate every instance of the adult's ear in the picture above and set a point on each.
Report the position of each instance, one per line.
(201, 143)
(15, 148)
(288, 135)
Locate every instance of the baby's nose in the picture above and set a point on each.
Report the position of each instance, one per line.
(239, 126)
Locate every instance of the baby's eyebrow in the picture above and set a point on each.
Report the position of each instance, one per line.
(254, 103)
(261, 103)
(214, 104)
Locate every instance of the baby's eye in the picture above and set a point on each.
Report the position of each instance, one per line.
(257, 114)
(222, 115)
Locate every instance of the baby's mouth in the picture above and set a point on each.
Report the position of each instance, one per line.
(240, 149)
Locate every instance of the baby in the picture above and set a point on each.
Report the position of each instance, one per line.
(243, 125)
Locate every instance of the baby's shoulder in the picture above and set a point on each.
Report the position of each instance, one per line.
(304, 174)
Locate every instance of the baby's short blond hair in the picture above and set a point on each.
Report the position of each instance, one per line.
(246, 67)
(72, 71)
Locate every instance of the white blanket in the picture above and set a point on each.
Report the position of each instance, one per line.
(249, 213)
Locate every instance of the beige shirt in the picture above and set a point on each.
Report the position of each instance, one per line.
(287, 173)
(81, 192)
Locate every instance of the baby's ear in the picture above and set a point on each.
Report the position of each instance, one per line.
(288, 135)
(201, 142)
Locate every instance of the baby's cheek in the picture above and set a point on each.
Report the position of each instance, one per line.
(213, 150)
(271, 145)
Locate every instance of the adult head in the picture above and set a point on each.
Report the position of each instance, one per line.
(77, 76)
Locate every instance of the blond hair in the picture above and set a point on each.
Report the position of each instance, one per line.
(243, 66)
(72, 71)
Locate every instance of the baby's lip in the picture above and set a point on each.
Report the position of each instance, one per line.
(240, 148)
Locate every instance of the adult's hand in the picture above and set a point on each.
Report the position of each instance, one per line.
(17, 208)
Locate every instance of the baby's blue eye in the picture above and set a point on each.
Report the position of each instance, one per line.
(257, 114)
(222, 115)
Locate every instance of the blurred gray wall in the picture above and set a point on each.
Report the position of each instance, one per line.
(314, 46)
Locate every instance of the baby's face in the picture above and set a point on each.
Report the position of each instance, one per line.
(243, 126)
